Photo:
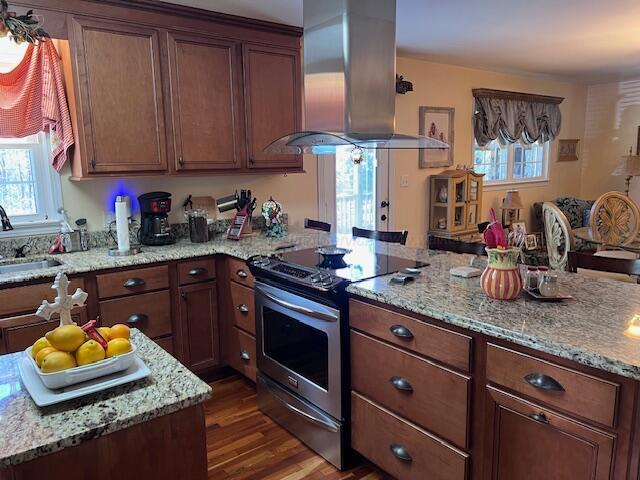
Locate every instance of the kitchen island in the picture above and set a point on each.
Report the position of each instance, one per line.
(108, 434)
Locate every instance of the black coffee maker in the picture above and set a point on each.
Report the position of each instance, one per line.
(155, 228)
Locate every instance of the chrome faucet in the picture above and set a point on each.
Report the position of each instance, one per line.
(6, 224)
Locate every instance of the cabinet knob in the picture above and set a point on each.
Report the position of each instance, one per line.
(92, 163)
(133, 282)
(251, 161)
(180, 160)
(540, 417)
(543, 382)
(137, 318)
(183, 294)
(244, 355)
(401, 331)
(401, 383)
(243, 308)
(400, 452)
(242, 274)
(194, 272)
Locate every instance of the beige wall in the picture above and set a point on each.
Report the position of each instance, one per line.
(442, 85)
(297, 192)
(611, 127)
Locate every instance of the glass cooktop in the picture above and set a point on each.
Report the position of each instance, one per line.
(359, 264)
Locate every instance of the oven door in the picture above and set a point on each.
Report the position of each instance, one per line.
(298, 343)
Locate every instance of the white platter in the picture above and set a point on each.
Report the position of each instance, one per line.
(84, 373)
(43, 396)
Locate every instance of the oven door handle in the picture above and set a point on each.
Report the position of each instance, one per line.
(298, 308)
(307, 416)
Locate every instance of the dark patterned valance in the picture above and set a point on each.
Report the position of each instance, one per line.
(511, 116)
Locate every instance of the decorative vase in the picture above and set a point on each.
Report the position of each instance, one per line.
(501, 279)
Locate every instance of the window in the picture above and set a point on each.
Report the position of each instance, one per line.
(515, 163)
(29, 186)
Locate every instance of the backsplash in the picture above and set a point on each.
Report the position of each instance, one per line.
(39, 244)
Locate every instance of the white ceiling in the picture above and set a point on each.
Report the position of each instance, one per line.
(582, 40)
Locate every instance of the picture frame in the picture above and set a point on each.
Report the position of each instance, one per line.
(540, 239)
(568, 150)
(531, 243)
(437, 122)
(519, 227)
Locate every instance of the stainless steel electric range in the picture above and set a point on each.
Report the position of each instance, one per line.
(303, 344)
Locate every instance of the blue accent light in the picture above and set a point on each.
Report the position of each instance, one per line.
(120, 187)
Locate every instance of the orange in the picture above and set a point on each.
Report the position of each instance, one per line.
(119, 331)
(118, 346)
(105, 332)
(43, 353)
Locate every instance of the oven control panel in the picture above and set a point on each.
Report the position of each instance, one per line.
(313, 277)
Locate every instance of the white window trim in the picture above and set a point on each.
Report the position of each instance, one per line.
(531, 182)
(49, 196)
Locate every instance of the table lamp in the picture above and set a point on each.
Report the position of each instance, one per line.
(629, 167)
(511, 205)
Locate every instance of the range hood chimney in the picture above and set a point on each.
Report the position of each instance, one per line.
(349, 80)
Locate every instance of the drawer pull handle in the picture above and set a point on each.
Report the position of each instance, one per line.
(243, 308)
(400, 452)
(543, 382)
(194, 272)
(242, 274)
(133, 282)
(137, 318)
(244, 355)
(401, 384)
(401, 331)
(540, 418)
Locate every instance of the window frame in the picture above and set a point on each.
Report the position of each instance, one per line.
(510, 181)
(48, 192)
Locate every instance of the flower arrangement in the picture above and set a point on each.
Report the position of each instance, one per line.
(20, 28)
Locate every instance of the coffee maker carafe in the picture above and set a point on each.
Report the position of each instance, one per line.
(155, 228)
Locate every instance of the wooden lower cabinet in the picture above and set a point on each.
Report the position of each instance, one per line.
(199, 320)
(242, 352)
(529, 442)
(149, 312)
(401, 448)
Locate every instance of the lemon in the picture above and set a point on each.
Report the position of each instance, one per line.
(39, 345)
(43, 353)
(118, 346)
(66, 338)
(105, 332)
(119, 331)
(89, 352)
(57, 361)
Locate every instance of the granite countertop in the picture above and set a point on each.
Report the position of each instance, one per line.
(587, 329)
(97, 259)
(27, 431)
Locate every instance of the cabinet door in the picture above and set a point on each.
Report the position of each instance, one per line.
(199, 320)
(273, 103)
(120, 97)
(207, 114)
(533, 443)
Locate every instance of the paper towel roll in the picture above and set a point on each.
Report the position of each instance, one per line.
(122, 223)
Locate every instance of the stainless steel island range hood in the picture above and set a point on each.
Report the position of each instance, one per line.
(349, 79)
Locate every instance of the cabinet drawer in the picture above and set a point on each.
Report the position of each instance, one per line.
(18, 333)
(376, 433)
(150, 312)
(194, 271)
(584, 395)
(438, 343)
(427, 394)
(239, 272)
(243, 308)
(166, 343)
(27, 299)
(242, 353)
(132, 281)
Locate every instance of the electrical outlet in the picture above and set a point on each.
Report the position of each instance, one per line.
(404, 180)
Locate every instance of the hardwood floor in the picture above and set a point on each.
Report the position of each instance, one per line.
(244, 444)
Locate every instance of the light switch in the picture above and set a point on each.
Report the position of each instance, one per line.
(404, 180)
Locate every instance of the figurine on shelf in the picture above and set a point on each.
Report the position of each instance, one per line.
(274, 218)
(443, 194)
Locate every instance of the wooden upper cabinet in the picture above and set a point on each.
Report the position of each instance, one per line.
(273, 102)
(205, 82)
(119, 92)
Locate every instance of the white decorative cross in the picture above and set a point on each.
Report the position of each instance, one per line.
(63, 303)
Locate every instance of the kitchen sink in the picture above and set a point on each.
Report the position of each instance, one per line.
(23, 266)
